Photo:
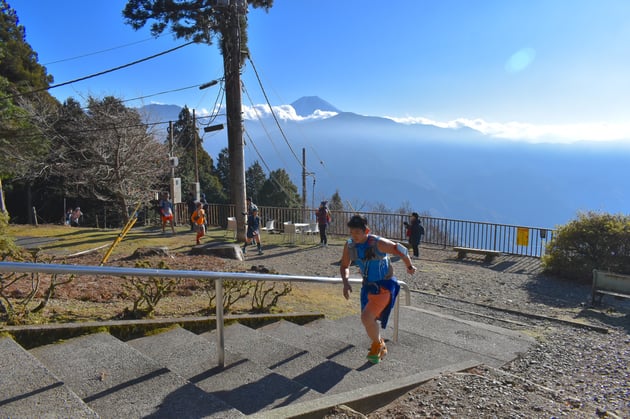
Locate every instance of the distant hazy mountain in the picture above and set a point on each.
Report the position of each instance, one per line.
(453, 173)
(307, 105)
(158, 113)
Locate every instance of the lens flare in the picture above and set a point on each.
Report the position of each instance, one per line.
(520, 60)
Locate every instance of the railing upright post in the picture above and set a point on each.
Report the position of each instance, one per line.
(396, 319)
(218, 286)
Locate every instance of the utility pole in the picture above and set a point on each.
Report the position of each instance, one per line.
(194, 133)
(304, 218)
(236, 150)
(195, 142)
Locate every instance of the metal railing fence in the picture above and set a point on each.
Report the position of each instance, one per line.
(218, 277)
(504, 238)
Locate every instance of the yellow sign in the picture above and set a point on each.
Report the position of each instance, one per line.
(522, 236)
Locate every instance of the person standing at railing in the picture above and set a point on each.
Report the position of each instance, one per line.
(380, 287)
(323, 219)
(415, 231)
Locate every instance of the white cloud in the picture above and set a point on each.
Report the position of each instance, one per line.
(556, 133)
(517, 131)
(283, 112)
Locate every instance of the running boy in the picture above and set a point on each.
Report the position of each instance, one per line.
(380, 286)
(253, 231)
(198, 219)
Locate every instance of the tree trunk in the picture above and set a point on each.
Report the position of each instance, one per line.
(3, 207)
(124, 209)
(29, 203)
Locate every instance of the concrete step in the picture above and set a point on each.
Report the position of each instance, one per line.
(280, 370)
(115, 380)
(415, 352)
(281, 348)
(345, 369)
(437, 338)
(242, 383)
(494, 345)
(29, 390)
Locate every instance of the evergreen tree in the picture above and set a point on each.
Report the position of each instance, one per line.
(200, 21)
(22, 150)
(279, 191)
(255, 179)
(336, 204)
(223, 170)
(18, 61)
(187, 139)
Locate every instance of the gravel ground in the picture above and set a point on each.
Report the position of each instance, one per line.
(572, 371)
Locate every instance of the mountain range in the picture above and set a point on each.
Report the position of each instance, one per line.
(375, 162)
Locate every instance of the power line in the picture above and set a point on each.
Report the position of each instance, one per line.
(97, 52)
(264, 127)
(273, 113)
(100, 73)
(161, 93)
(271, 176)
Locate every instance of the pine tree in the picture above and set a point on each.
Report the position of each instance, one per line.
(255, 179)
(279, 191)
(336, 204)
(200, 21)
(18, 61)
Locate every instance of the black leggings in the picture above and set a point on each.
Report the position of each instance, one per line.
(416, 251)
(322, 234)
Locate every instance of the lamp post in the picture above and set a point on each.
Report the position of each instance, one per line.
(313, 195)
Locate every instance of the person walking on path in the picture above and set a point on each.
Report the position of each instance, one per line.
(253, 231)
(415, 231)
(198, 218)
(323, 219)
(166, 211)
(380, 287)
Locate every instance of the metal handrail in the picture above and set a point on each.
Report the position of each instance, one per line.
(52, 268)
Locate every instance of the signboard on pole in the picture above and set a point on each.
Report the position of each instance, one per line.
(522, 236)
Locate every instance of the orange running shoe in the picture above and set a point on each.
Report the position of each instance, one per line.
(378, 350)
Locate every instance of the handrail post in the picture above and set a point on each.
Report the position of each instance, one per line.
(218, 286)
(396, 319)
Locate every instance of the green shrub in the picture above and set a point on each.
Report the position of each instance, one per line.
(7, 246)
(593, 241)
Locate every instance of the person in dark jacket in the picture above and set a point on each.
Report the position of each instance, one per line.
(192, 207)
(323, 219)
(253, 231)
(415, 231)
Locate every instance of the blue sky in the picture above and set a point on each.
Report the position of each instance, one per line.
(520, 69)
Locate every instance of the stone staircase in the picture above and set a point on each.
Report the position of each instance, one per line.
(279, 370)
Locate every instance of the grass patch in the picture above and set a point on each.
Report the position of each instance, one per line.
(61, 241)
